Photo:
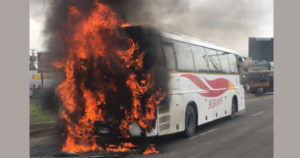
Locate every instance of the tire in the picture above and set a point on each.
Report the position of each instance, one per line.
(233, 109)
(190, 122)
(260, 91)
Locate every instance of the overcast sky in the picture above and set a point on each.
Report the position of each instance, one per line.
(37, 20)
(228, 23)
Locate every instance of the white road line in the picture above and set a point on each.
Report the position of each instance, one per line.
(258, 113)
(209, 131)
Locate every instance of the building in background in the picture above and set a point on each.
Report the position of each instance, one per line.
(261, 49)
(35, 82)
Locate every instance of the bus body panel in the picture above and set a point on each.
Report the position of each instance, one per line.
(211, 92)
(212, 103)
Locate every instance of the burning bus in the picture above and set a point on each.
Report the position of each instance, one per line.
(125, 81)
(201, 82)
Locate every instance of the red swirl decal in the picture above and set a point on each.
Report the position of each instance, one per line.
(219, 85)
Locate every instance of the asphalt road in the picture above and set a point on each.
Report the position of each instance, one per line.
(249, 135)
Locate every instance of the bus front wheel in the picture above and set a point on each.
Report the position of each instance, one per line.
(190, 122)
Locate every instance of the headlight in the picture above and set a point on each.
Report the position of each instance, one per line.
(103, 131)
(135, 130)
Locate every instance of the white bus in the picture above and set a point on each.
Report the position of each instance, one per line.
(203, 81)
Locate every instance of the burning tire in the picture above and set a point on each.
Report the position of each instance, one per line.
(190, 121)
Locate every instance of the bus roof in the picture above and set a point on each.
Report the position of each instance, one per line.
(195, 41)
(183, 38)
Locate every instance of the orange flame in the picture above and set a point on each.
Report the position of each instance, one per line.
(123, 147)
(125, 25)
(151, 150)
(90, 40)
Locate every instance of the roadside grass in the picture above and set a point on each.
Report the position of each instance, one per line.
(37, 115)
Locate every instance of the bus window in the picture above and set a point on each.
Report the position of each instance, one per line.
(184, 57)
(213, 60)
(169, 56)
(233, 63)
(157, 49)
(224, 60)
(199, 59)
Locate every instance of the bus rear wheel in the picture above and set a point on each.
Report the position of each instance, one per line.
(233, 108)
(190, 122)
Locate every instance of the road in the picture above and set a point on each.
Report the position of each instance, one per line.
(249, 135)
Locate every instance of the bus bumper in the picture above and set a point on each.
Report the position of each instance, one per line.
(111, 129)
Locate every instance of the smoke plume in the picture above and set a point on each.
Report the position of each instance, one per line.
(228, 23)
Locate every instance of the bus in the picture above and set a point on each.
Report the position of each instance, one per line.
(203, 82)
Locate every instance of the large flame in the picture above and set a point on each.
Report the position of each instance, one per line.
(102, 62)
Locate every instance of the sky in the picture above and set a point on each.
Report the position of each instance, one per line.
(37, 20)
(228, 23)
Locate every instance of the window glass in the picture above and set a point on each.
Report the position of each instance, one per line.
(213, 60)
(169, 56)
(233, 63)
(271, 65)
(224, 60)
(184, 57)
(155, 41)
(199, 58)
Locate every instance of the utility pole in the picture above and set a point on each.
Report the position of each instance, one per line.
(42, 79)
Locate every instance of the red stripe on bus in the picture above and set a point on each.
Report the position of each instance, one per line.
(219, 83)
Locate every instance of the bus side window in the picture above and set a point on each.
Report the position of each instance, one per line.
(213, 60)
(184, 57)
(157, 50)
(169, 56)
(233, 63)
(199, 59)
(224, 59)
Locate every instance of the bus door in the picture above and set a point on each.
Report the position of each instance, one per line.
(164, 110)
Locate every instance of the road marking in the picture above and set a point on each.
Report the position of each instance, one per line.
(209, 131)
(258, 113)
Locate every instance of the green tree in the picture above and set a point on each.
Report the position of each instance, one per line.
(32, 61)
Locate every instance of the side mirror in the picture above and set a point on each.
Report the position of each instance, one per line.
(241, 59)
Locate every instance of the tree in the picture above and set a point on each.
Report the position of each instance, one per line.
(32, 60)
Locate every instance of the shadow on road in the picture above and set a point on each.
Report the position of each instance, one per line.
(175, 138)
